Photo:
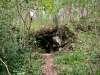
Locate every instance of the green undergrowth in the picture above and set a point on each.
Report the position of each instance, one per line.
(31, 64)
(83, 60)
(36, 25)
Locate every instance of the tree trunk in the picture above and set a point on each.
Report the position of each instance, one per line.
(71, 17)
(63, 14)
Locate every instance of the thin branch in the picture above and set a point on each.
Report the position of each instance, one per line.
(21, 15)
(5, 66)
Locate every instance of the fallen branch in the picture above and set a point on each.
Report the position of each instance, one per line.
(5, 66)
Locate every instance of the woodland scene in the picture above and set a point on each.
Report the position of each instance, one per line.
(49, 37)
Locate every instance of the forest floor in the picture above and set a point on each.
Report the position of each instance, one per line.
(47, 68)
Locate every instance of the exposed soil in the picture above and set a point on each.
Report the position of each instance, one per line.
(52, 39)
(47, 68)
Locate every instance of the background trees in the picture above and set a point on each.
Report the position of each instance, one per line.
(16, 28)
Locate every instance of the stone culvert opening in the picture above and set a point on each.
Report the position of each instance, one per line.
(51, 40)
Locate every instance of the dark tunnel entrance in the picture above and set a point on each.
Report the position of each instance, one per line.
(51, 41)
(46, 43)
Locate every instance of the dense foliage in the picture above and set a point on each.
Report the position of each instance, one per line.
(18, 53)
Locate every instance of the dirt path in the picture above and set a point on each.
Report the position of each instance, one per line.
(47, 68)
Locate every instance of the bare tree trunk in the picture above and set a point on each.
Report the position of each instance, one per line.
(63, 14)
(51, 18)
(71, 17)
(37, 12)
(81, 11)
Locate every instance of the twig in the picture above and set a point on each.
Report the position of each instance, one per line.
(21, 15)
(5, 66)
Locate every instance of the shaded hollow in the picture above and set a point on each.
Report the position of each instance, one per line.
(45, 43)
(51, 40)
